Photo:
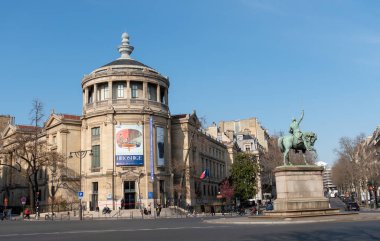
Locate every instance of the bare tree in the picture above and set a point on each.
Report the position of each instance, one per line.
(26, 151)
(351, 156)
(342, 174)
(271, 159)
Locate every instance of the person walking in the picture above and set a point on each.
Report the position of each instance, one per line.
(212, 210)
(27, 213)
(158, 209)
(149, 209)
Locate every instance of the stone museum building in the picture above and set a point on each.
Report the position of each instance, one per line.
(126, 149)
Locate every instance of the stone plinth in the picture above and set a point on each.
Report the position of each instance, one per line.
(300, 192)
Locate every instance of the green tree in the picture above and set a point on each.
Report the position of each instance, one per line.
(244, 175)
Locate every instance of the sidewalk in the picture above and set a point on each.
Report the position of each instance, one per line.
(353, 217)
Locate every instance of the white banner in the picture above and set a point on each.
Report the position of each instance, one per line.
(129, 144)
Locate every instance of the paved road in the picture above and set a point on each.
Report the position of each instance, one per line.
(183, 230)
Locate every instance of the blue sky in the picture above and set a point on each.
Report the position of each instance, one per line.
(226, 59)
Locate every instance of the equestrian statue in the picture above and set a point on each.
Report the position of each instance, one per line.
(297, 141)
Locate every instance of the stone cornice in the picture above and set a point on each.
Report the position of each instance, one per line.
(109, 73)
(298, 168)
(125, 111)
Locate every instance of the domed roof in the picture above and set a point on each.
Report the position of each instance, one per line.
(125, 59)
(126, 62)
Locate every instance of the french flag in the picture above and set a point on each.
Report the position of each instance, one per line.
(204, 174)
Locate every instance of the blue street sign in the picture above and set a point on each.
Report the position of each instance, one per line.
(80, 195)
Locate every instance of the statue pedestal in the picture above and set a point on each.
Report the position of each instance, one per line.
(300, 192)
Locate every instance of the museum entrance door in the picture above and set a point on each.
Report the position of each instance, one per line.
(129, 195)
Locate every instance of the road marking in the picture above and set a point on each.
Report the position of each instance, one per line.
(107, 230)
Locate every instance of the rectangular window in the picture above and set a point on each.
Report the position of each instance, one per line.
(120, 91)
(152, 92)
(162, 95)
(95, 161)
(134, 90)
(129, 186)
(95, 133)
(95, 188)
(90, 95)
(103, 92)
(162, 186)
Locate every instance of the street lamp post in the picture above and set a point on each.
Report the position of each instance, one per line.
(80, 154)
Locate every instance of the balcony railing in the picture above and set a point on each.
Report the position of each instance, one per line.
(102, 103)
(137, 102)
(128, 102)
(154, 103)
(120, 101)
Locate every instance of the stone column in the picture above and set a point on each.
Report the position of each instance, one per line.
(86, 95)
(95, 94)
(145, 90)
(158, 93)
(127, 91)
(110, 92)
(84, 101)
(166, 97)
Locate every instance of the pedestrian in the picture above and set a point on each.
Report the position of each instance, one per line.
(158, 210)
(27, 213)
(122, 204)
(149, 209)
(222, 209)
(212, 210)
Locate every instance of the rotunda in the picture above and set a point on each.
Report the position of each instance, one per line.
(126, 125)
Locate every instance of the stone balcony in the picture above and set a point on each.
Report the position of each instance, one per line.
(125, 104)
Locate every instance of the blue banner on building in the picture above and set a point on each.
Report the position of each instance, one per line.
(151, 149)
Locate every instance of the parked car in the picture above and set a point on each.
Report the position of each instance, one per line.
(352, 206)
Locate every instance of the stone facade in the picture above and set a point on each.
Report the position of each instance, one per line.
(194, 151)
(125, 93)
(13, 184)
(250, 126)
(63, 134)
(125, 149)
(245, 135)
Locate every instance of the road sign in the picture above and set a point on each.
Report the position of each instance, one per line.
(23, 200)
(80, 195)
